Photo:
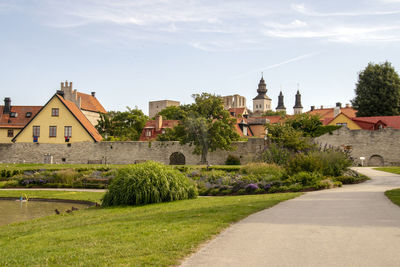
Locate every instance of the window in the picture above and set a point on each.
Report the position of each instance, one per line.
(28, 114)
(53, 131)
(148, 133)
(36, 131)
(13, 114)
(54, 112)
(10, 133)
(68, 131)
(341, 124)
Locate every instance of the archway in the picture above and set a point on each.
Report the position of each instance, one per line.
(375, 160)
(177, 158)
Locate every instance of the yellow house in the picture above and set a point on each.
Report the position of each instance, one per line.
(59, 121)
(14, 118)
(343, 120)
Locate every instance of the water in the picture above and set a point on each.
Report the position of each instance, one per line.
(17, 211)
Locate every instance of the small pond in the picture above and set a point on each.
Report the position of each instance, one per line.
(16, 211)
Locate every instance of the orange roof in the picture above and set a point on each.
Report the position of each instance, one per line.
(151, 126)
(261, 120)
(328, 112)
(81, 118)
(237, 111)
(21, 119)
(368, 123)
(90, 103)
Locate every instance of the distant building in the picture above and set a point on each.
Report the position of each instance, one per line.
(234, 101)
(155, 127)
(88, 104)
(14, 118)
(157, 106)
(281, 106)
(261, 102)
(298, 108)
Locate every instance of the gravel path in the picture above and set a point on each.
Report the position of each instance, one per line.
(355, 225)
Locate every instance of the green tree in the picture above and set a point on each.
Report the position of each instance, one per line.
(174, 112)
(207, 126)
(307, 123)
(282, 114)
(377, 91)
(122, 125)
(285, 136)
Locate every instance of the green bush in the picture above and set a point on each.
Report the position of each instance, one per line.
(276, 154)
(305, 178)
(148, 182)
(232, 160)
(350, 179)
(263, 171)
(304, 163)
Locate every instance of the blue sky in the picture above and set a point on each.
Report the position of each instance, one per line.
(134, 51)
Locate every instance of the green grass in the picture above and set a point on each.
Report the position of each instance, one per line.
(73, 195)
(395, 170)
(152, 235)
(394, 196)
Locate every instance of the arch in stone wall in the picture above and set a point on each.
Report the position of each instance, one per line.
(376, 160)
(177, 158)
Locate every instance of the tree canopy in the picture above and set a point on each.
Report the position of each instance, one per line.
(174, 112)
(206, 125)
(122, 125)
(377, 91)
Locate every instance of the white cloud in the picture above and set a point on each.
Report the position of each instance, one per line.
(301, 8)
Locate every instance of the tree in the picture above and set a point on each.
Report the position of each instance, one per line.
(174, 112)
(307, 123)
(282, 114)
(285, 136)
(377, 91)
(207, 126)
(122, 125)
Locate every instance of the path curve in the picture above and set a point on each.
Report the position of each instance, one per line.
(355, 225)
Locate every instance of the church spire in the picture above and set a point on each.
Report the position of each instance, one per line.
(298, 108)
(281, 106)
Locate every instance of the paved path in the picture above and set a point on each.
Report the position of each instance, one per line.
(355, 225)
(58, 189)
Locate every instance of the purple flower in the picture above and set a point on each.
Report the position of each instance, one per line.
(251, 187)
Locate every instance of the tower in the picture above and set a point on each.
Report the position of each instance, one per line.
(261, 102)
(298, 108)
(281, 106)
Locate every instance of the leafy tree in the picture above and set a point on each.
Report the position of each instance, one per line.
(284, 135)
(207, 126)
(122, 125)
(307, 123)
(377, 91)
(174, 112)
(274, 113)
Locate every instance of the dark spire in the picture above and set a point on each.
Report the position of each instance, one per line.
(280, 102)
(262, 90)
(298, 100)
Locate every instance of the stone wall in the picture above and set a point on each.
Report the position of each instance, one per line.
(380, 147)
(120, 152)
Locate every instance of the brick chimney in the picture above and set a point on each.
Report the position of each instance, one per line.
(7, 105)
(338, 104)
(93, 94)
(312, 108)
(158, 120)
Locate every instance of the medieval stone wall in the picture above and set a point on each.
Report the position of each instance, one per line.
(120, 152)
(380, 147)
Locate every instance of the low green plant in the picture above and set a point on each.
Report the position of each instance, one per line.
(276, 154)
(305, 178)
(350, 179)
(232, 160)
(263, 171)
(148, 182)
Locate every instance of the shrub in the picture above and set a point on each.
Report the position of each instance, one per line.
(232, 160)
(68, 176)
(250, 188)
(276, 154)
(304, 163)
(350, 179)
(334, 162)
(263, 171)
(148, 182)
(304, 178)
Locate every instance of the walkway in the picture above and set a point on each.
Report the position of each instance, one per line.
(355, 225)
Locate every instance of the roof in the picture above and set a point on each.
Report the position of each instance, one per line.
(238, 111)
(389, 121)
(77, 113)
(262, 96)
(90, 103)
(264, 119)
(21, 120)
(151, 125)
(329, 112)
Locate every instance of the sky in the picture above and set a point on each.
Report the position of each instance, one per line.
(131, 52)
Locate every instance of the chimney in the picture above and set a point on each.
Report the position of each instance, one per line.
(322, 107)
(338, 104)
(336, 110)
(60, 93)
(93, 94)
(347, 105)
(7, 105)
(158, 120)
(312, 108)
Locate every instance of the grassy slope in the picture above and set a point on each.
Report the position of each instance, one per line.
(394, 196)
(88, 196)
(395, 170)
(158, 234)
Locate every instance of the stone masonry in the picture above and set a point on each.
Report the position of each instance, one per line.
(120, 152)
(380, 147)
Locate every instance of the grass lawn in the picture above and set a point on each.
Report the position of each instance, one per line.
(394, 195)
(157, 234)
(74, 195)
(395, 170)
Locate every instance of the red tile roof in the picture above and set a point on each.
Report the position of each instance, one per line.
(21, 120)
(90, 103)
(372, 123)
(237, 111)
(329, 112)
(81, 118)
(151, 126)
